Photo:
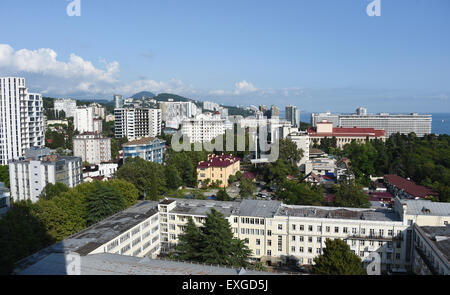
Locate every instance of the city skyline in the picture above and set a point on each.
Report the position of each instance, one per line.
(317, 56)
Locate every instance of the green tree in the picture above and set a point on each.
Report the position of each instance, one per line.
(189, 247)
(350, 194)
(4, 175)
(294, 193)
(126, 189)
(218, 244)
(103, 202)
(22, 234)
(338, 259)
(222, 195)
(173, 177)
(52, 190)
(247, 188)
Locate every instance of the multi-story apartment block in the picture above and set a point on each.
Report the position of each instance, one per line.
(118, 101)
(67, 105)
(302, 141)
(92, 147)
(328, 116)
(98, 125)
(99, 110)
(135, 123)
(30, 174)
(274, 232)
(84, 119)
(203, 128)
(174, 112)
(21, 119)
(343, 136)
(148, 148)
(293, 115)
(218, 168)
(391, 124)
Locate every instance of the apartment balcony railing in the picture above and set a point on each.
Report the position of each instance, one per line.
(373, 237)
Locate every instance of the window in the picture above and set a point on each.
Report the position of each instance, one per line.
(300, 238)
(293, 227)
(353, 243)
(345, 230)
(372, 232)
(293, 238)
(371, 243)
(309, 239)
(336, 229)
(327, 229)
(309, 261)
(319, 240)
(309, 250)
(293, 248)
(280, 227)
(302, 227)
(257, 252)
(269, 233)
(318, 251)
(269, 242)
(235, 220)
(381, 232)
(280, 243)
(390, 232)
(258, 242)
(310, 228)
(300, 249)
(269, 253)
(354, 230)
(397, 256)
(363, 231)
(319, 228)
(361, 253)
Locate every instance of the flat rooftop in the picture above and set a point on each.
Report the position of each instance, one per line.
(114, 264)
(258, 208)
(339, 213)
(440, 237)
(96, 235)
(203, 207)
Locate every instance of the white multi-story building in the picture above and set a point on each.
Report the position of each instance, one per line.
(99, 110)
(92, 148)
(98, 125)
(174, 112)
(21, 119)
(391, 124)
(210, 106)
(136, 123)
(274, 232)
(84, 119)
(30, 174)
(302, 141)
(203, 128)
(67, 105)
(118, 101)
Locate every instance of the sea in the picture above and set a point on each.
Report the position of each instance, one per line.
(440, 121)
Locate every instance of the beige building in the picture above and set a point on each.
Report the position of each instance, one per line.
(343, 136)
(217, 168)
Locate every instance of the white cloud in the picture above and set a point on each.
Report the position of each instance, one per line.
(80, 78)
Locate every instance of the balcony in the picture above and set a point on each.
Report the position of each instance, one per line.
(369, 237)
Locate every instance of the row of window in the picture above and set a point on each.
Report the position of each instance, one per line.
(247, 220)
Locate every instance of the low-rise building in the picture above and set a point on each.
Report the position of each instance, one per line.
(148, 148)
(218, 168)
(408, 189)
(30, 174)
(105, 170)
(343, 136)
(92, 147)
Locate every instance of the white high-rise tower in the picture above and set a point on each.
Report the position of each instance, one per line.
(21, 119)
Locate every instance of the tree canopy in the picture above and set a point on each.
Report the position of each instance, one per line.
(337, 259)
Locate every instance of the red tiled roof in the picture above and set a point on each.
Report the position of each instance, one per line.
(409, 186)
(218, 161)
(248, 175)
(340, 131)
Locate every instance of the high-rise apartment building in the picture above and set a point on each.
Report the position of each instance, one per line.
(67, 105)
(274, 112)
(99, 110)
(203, 128)
(21, 119)
(84, 119)
(135, 123)
(174, 112)
(118, 101)
(92, 148)
(293, 115)
(30, 174)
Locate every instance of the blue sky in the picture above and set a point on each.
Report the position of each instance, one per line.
(319, 55)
